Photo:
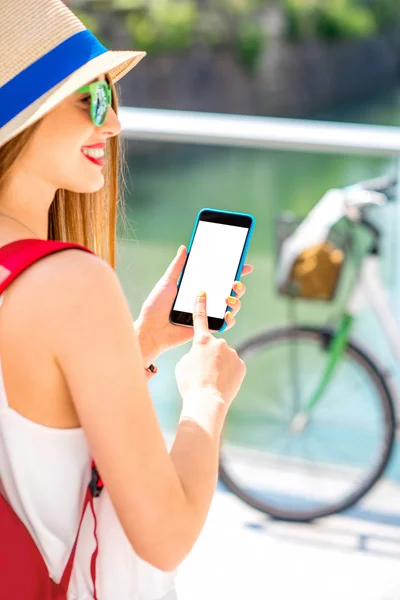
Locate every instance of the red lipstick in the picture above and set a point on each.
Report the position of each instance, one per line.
(97, 160)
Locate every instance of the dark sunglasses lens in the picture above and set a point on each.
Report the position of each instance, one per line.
(100, 105)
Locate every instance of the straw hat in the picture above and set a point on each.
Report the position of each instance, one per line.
(46, 54)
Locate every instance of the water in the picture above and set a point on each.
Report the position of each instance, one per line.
(169, 184)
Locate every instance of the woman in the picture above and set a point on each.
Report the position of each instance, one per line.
(74, 369)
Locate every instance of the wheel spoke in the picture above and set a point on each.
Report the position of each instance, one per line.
(315, 468)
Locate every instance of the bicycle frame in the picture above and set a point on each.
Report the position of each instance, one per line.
(368, 290)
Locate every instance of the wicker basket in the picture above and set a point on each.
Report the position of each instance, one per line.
(315, 273)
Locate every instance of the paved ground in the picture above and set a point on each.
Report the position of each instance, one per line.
(241, 554)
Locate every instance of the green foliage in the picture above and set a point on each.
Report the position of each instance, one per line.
(164, 26)
(160, 26)
(236, 7)
(251, 42)
(111, 5)
(385, 12)
(330, 19)
(213, 30)
(342, 20)
(126, 4)
(89, 20)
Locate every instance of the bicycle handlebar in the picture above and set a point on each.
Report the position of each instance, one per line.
(385, 185)
(350, 202)
(360, 196)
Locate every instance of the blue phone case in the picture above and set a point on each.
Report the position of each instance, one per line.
(245, 249)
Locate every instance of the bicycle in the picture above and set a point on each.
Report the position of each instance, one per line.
(324, 430)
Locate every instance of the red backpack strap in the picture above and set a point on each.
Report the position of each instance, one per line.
(96, 485)
(14, 259)
(19, 255)
(64, 583)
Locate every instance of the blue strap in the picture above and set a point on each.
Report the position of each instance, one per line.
(47, 72)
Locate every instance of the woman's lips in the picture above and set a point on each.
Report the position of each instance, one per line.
(97, 161)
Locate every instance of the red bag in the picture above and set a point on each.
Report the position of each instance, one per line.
(23, 572)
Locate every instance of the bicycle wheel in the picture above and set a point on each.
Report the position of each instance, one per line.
(295, 469)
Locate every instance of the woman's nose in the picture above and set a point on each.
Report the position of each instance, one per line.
(111, 125)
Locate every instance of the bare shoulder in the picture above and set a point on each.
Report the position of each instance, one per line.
(63, 265)
(61, 287)
(72, 268)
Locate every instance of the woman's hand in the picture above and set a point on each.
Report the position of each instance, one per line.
(210, 364)
(156, 333)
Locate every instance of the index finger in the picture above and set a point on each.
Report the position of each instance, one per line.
(200, 321)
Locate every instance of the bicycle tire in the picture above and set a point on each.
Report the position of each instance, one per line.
(321, 336)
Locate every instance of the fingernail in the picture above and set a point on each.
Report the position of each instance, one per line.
(180, 250)
(229, 316)
(239, 285)
(232, 300)
(201, 295)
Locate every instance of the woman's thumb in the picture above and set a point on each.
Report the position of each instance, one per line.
(176, 266)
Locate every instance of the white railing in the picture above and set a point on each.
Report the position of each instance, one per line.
(258, 132)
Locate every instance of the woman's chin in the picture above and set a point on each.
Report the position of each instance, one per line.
(95, 188)
(89, 186)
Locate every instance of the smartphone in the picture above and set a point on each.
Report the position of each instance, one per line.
(216, 255)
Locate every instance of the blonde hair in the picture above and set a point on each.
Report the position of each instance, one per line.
(87, 219)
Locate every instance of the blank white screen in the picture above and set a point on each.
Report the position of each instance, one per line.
(211, 267)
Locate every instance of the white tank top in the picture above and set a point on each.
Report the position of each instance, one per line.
(44, 473)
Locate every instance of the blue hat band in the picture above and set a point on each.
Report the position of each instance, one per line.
(47, 72)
